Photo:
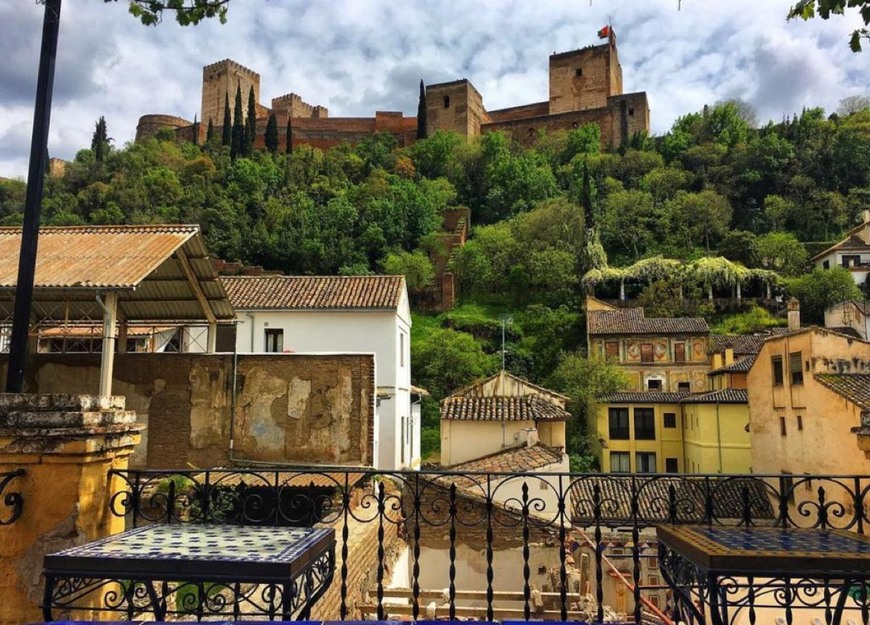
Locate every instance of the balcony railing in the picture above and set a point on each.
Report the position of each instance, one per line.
(604, 521)
(13, 501)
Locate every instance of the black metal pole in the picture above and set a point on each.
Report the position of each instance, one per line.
(33, 201)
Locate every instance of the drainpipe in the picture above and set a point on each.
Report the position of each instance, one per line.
(719, 436)
(683, 437)
(233, 399)
(251, 317)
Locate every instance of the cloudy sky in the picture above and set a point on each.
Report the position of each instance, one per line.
(358, 56)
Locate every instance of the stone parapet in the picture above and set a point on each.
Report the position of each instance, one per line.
(66, 444)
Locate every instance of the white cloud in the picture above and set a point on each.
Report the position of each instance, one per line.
(356, 56)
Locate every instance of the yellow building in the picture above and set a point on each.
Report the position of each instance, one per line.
(716, 432)
(657, 354)
(656, 432)
(807, 392)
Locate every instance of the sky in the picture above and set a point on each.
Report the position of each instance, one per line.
(358, 56)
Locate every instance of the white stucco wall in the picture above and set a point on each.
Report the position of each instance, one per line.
(387, 334)
(462, 441)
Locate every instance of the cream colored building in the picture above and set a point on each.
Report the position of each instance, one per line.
(657, 354)
(852, 253)
(807, 392)
(498, 413)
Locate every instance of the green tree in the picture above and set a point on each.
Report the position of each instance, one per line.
(288, 135)
(187, 12)
(583, 380)
(446, 360)
(421, 113)
(100, 140)
(250, 134)
(820, 289)
(699, 218)
(756, 319)
(227, 129)
(237, 147)
(415, 266)
(807, 9)
(271, 138)
(783, 253)
(209, 133)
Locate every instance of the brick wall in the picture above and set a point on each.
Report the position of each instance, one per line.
(289, 407)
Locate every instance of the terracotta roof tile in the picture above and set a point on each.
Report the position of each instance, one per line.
(314, 292)
(743, 344)
(526, 408)
(738, 366)
(846, 331)
(618, 493)
(724, 396)
(649, 397)
(515, 460)
(853, 386)
(633, 321)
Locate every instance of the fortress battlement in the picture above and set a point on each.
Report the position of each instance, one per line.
(229, 64)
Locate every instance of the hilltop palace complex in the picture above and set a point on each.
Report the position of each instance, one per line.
(585, 87)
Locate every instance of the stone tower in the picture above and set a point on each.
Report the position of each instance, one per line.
(454, 106)
(220, 80)
(584, 79)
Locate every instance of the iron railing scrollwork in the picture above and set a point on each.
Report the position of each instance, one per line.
(490, 514)
(13, 500)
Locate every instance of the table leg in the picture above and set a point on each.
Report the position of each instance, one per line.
(46, 598)
(713, 598)
(157, 606)
(841, 602)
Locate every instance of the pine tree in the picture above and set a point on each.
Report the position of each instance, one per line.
(100, 140)
(251, 123)
(272, 134)
(238, 142)
(209, 132)
(227, 130)
(421, 113)
(288, 149)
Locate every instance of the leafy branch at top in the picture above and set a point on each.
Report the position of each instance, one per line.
(187, 12)
(808, 9)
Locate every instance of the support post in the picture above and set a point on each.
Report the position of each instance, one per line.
(33, 199)
(107, 362)
(212, 338)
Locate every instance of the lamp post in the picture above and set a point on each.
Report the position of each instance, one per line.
(33, 200)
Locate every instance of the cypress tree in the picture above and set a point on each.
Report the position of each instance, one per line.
(195, 130)
(100, 140)
(288, 149)
(421, 113)
(209, 132)
(272, 134)
(227, 130)
(251, 123)
(238, 142)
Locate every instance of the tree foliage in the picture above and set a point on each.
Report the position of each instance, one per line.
(807, 9)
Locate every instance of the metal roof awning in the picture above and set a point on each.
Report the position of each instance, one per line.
(161, 273)
(120, 274)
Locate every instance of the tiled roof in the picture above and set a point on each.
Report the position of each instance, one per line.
(314, 292)
(633, 321)
(738, 366)
(743, 344)
(113, 257)
(649, 397)
(852, 243)
(724, 396)
(846, 331)
(475, 389)
(515, 460)
(618, 493)
(853, 386)
(526, 408)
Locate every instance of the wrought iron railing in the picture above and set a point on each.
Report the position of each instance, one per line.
(13, 501)
(490, 510)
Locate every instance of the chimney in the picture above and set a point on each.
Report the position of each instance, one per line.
(729, 355)
(794, 314)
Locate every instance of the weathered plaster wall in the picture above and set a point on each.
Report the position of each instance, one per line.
(289, 407)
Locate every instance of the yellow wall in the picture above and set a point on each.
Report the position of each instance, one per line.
(667, 444)
(716, 440)
(826, 443)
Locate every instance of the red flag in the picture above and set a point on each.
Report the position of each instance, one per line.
(604, 33)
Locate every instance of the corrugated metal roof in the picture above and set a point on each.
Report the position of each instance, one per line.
(141, 262)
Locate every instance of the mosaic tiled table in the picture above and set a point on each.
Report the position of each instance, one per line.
(717, 572)
(194, 570)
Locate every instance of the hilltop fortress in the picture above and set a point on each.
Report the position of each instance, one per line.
(585, 87)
